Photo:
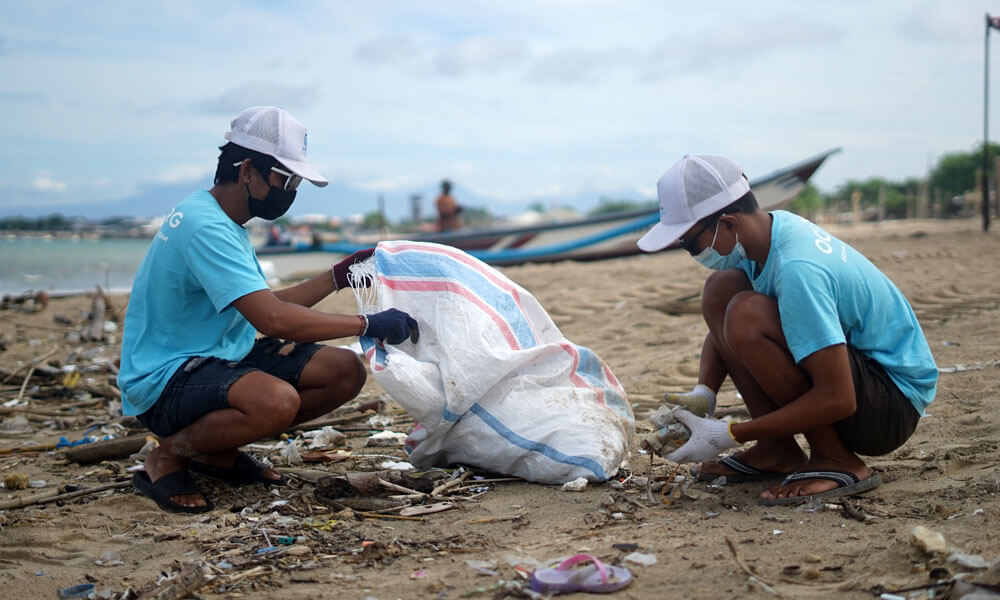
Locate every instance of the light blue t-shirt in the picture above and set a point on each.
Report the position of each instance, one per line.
(828, 293)
(181, 303)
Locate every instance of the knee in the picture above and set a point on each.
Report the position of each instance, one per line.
(282, 406)
(744, 319)
(345, 373)
(719, 290)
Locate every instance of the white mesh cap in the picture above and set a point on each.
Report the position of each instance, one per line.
(271, 130)
(692, 189)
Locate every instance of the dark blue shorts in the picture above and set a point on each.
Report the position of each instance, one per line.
(201, 384)
(884, 418)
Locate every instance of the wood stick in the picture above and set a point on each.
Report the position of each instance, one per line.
(47, 497)
(34, 365)
(398, 488)
(98, 451)
(450, 484)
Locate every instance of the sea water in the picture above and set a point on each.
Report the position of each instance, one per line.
(68, 265)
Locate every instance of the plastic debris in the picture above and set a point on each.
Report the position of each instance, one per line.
(84, 590)
(577, 485)
(641, 558)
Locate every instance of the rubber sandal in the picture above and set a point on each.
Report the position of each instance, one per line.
(245, 470)
(595, 578)
(848, 484)
(744, 472)
(177, 483)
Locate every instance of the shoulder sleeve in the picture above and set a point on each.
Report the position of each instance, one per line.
(807, 304)
(223, 264)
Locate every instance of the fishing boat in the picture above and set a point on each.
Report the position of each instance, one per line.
(594, 238)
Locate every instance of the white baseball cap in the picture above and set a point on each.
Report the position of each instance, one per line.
(695, 187)
(271, 130)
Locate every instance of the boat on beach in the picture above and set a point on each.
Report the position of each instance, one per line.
(593, 238)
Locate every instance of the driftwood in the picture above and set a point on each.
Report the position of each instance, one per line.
(94, 331)
(106, 450)
(55, 496)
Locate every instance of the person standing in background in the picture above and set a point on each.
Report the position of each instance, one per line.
(449, 211)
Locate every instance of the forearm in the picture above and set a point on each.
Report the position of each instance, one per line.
(711, 370)
(301, 324)
(813, 409)
(309, 292)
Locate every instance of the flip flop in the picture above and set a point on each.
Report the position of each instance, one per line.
(596, 578)
(744, 472)
(246, 469)
(177, 483)
(848, 484)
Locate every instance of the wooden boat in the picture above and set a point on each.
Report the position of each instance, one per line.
(605, 236)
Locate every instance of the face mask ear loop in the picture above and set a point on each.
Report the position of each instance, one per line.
(716, 234)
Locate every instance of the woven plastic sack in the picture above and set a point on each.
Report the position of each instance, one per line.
(492, 382)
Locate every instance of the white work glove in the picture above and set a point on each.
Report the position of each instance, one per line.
(709, 438)
(700, 401)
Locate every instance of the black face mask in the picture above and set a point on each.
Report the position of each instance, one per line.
(276, 203)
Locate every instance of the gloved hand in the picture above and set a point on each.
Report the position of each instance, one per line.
(392, 326)
(340, 280)
(709, 438)
(700, 401)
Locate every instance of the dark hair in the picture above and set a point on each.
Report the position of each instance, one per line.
(445, 186)
(226, 171)
(746, 204)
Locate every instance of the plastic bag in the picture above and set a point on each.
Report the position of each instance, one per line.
(492, 382)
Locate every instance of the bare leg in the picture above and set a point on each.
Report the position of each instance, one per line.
(753, 351)
(260, 406)
(753, 347)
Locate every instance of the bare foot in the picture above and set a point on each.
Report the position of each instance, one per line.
(226, 460)
(762, 458)
(807, 487)
(159, 463)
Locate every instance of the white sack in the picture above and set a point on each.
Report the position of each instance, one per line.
(492, 381)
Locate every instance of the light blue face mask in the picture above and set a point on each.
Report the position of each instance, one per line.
(710, 257)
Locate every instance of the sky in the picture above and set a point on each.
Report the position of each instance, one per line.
(523, 101)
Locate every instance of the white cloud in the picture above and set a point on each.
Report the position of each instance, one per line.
(180, 173)
(260, 92)
(47, 184)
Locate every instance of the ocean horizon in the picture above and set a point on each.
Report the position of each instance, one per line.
(65, 265)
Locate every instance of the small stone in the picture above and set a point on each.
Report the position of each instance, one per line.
(16, 481)
(928, 540)
(298, 550)
(811, 573)
(812, 558)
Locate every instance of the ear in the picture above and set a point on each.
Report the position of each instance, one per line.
(244, 171)
(729, 221)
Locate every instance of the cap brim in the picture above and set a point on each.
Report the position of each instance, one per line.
(661, 236)
(303, 170)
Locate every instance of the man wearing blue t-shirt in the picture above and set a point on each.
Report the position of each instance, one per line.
(193, 369)
(816, 339)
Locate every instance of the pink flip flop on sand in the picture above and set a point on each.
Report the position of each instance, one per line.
(595, 578)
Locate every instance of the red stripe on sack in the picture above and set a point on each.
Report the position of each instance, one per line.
(410, 285)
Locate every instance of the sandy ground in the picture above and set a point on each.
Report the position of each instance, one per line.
(640, 315)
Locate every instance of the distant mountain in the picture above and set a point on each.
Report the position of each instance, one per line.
(337, 199)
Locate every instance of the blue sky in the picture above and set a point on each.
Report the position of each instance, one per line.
(515, 101)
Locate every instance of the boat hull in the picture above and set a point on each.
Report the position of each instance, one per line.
(595, 238)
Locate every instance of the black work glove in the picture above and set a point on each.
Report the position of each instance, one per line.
(340, 280)
(392, 326)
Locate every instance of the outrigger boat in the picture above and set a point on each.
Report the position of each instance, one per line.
(605, 236)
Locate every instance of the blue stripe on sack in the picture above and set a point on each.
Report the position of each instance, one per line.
(589, 368)
(430, 265)
(546, 451)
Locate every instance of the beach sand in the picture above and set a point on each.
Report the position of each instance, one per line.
(640, 314)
